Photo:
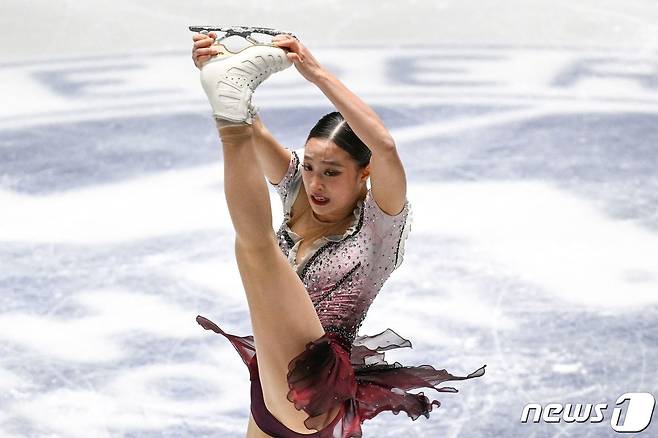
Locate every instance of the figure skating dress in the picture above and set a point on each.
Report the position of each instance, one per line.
(343, 274)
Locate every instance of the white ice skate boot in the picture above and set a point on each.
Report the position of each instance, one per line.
(230, 78)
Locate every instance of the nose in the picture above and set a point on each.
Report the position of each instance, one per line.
(316, 184)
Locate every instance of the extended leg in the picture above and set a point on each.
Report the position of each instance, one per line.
(253, 431)
(246, 192)
(282, 315)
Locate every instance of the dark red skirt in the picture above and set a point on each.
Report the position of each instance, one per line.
(325, 374)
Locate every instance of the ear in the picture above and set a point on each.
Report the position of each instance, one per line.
(365, 173)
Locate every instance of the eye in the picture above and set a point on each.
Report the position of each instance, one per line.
(308, 168)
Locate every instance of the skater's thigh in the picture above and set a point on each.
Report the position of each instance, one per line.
(253, 431)
(283, 320)
(281, 309)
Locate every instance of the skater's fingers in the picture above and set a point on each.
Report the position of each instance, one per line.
(281, 36)
(289, 44)
(202, 36)
(199, 56)
(294, 44)
(202, 55)
(206, 51)
(294, 57)
(284, 39)
(206, 42)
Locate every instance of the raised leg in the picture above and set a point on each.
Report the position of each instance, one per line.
(282, 315)
(253, 431)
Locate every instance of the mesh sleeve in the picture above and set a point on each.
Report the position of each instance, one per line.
(391, 231)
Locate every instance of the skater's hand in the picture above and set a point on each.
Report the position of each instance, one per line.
(304, 61)
(201, 50)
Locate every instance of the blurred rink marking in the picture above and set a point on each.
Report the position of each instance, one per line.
(549, 81)
(95, 337)
(138, 396)
(541, 233)
(64, 91)
(531, 230)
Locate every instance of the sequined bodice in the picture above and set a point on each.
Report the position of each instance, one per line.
(344, 273)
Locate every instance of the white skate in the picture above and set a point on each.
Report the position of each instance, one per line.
(230, 78)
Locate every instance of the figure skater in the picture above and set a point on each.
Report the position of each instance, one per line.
(310, 284)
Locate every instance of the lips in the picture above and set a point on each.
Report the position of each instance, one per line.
(320, 200)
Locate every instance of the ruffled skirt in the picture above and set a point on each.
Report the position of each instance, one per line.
(326, 375)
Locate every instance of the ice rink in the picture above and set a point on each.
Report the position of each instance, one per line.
(529, 135)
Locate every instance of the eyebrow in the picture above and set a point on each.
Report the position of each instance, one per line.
(335, 163)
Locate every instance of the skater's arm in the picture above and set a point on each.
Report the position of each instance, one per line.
(272, 156)
(387, 178)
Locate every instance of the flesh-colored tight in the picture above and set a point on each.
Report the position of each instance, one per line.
(283, 318)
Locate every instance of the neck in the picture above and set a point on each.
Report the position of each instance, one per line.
(326, 220)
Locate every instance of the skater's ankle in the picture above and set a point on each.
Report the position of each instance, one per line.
(228, 128)
(223, 123)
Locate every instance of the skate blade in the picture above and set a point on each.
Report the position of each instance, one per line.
(242, 31)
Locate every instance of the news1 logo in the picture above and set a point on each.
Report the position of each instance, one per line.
(638, 412)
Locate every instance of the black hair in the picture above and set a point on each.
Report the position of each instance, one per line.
(333, 127)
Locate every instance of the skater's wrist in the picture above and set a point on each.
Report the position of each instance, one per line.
(323, 78)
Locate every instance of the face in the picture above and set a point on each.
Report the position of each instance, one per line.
(330, 172)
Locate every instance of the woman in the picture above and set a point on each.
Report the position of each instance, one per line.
(310, 284)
